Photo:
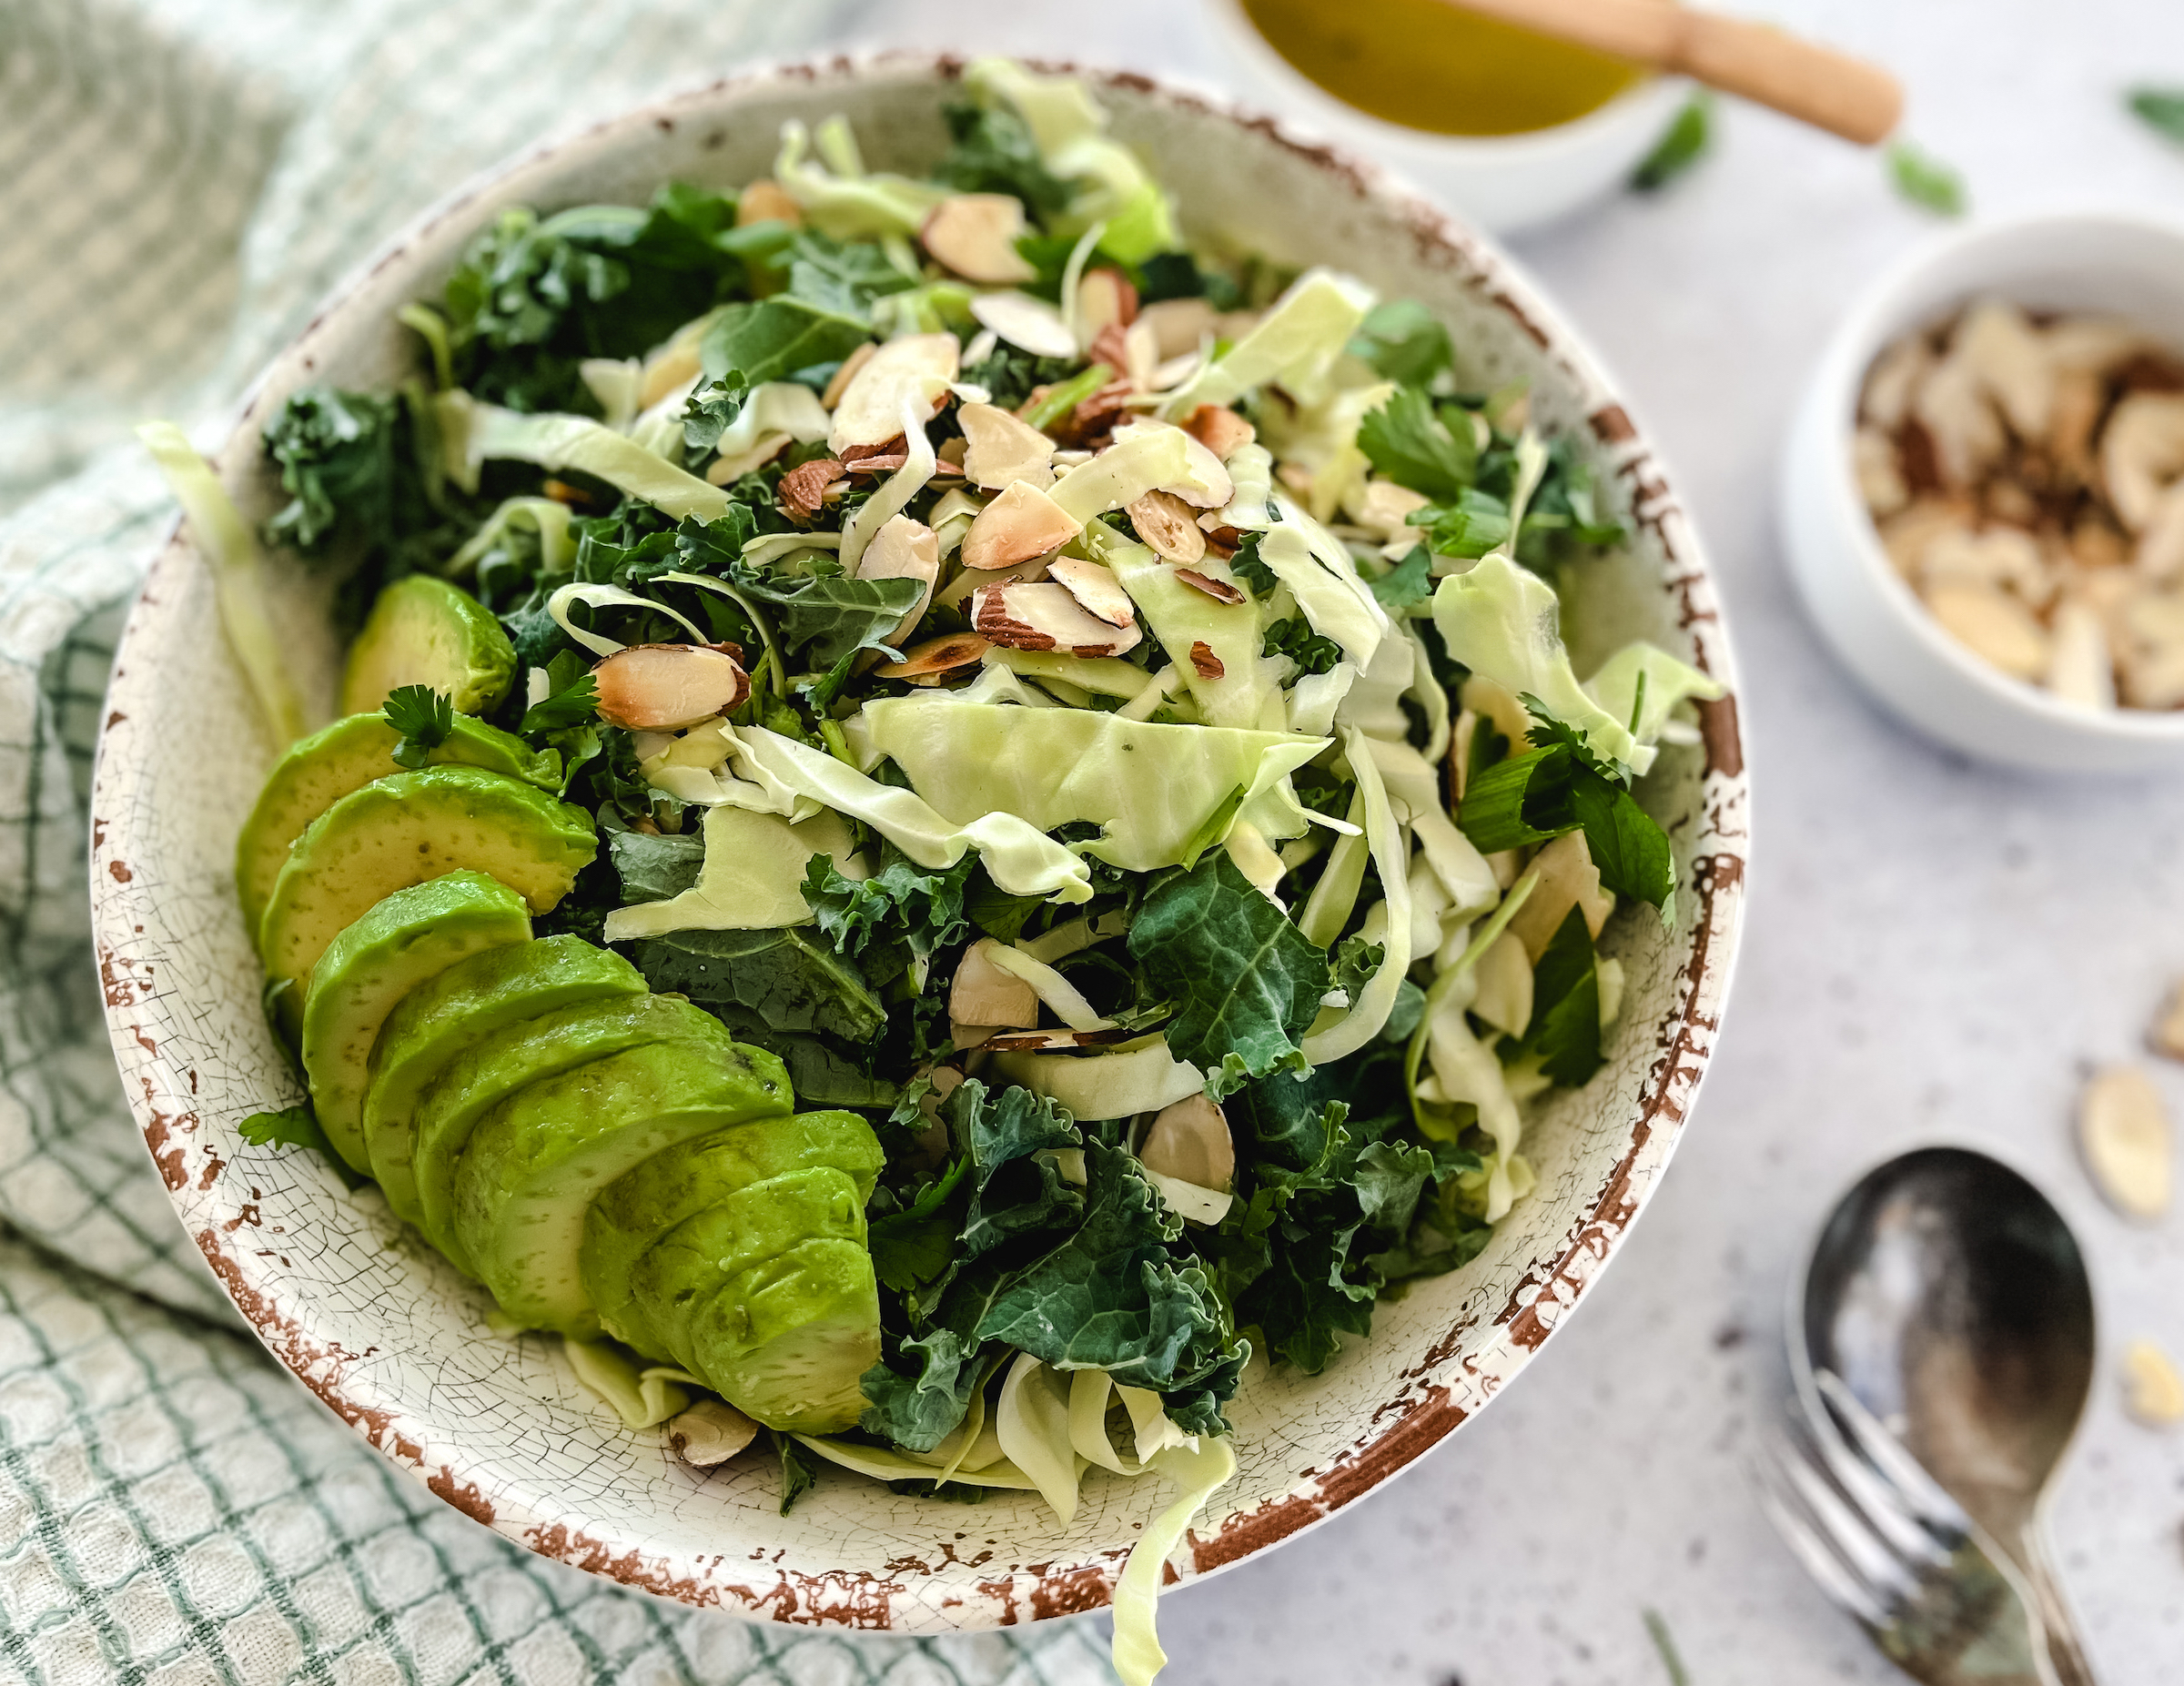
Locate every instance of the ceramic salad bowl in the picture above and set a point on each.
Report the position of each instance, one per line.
(396, 1343)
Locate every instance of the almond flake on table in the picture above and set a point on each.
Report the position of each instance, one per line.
(2123, 1132)
(2153, 1393)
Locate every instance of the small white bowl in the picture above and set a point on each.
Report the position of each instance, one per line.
(2119, 263)
(1504, 182)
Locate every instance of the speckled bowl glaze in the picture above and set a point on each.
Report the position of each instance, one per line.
(395, 1342)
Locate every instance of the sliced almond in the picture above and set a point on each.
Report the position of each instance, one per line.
(976, 235)
(1000, 449)
(1189, 1141)
(1384, 508)
(984, 995)
(1096, 589)
(1204, 663)
(1961, 420)
(2167, 1035)
(710, 1433)
(2002, 558)
(903, 549)
(1029, 324)
(838, 382)
(2013, 362)
(2153, 1393)
(1169, 525)
(951, 452)
(1053, 1041)
(766, 200)
(1994, 626)
(937, 655)
(2123, 1133)
(1021, 523)
(1880, 477)
(914, 370)
(1109, 347)
(1045, 616)
(1221, 431)
(666, 687)
(804, 487)
(1220, 591)
(1104, 298)
(1894, 380)
(2141, 453)
(1178, 325)
(2080, 668)
(2150, 649)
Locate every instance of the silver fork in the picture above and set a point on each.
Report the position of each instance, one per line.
(1897, 1552)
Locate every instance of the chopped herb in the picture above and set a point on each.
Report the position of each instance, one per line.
(424, 717)
(1921, 180)
(1688, 139)
(2161, 109)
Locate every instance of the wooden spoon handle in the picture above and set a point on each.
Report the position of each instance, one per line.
(1831, 90)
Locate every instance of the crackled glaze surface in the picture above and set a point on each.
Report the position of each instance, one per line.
(395, 1342)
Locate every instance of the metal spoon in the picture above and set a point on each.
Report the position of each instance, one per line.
(1951, 1300)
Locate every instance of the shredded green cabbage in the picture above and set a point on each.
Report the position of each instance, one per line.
(1198, 1473)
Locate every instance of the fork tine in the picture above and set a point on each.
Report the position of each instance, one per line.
(1778, 1505)
(1865, 1552)
(1921, 1494)
(1895, 1516)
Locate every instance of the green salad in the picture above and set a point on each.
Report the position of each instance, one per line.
(955, 817)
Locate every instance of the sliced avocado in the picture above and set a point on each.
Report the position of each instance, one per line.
(469, 1006)
(642, 1205)
(321, 769)
(786, 1341)
(688, 1264)
(424, 631)
(408, 829)
(406, 940)
(488, 1073)
(538, 1159)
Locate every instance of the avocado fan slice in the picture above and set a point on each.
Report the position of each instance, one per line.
(319, 770)
(406, 830)
(405, 940)
(422, 630)
(536, 1162)
(469, 1005)
(788, 1341)
(488, 1072)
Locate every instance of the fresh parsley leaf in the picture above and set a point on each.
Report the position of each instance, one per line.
(1562, 787)
(290, 1126)
(1404, 342)
(1407, 584)
(2161, 109)
(797, 1475)
(1687, 139)
(1245, 980)
(1475, 523)
(1407, 441)
(575, 704)
(1295, 639)
(1519, 802)
(1919, 179)
(424, 717)
(1564, 1033)
(1627, 843)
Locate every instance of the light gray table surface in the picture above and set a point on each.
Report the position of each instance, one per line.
(1934, 950)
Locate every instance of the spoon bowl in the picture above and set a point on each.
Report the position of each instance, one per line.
(1951, 1299)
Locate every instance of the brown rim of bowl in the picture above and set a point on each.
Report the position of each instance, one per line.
(1394, 1434)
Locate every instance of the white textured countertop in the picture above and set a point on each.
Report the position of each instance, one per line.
(1935, 949)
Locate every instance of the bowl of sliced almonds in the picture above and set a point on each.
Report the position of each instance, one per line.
(1983, 498)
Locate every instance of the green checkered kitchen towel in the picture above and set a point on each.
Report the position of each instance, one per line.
(179, 181)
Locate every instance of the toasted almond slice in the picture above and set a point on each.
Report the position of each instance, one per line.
(1169, 525)
(1141, 356)
(2168, 1036)
(1096, 589)
(917, 366)
(1021, 523)
(951, 452)
(1001, 448)
(2123, 1132)
(1046, 617)
(803, 488)
(710, 1433)
(1204, 663)
(1189, 1141)
(1052, 1041)
(1110, 347)
(1104, 298)
(1179, 325)
(937, 655)
(766, 200)
(2142, 452)
(976, 235)
(838, 382)
(1220, 591)
(1221, 431)
(1029, 324)
(666, 687)
(903, 549)
(2080, 670)
(982, 994)
(1994, 626)
(2153, 1393)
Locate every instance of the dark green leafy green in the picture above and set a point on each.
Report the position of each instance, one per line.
(1246, 981)
(902, 909)
(1295, 639)
(1474, 523)
(993, 152)
(654, 867)
(822, 617)
(1564, 1033)
(918, 1395)
(789, 979)
(713, 408)
(1404, 342)
(424, 717)
(914, 1245)
(772, 340)
(1687, 139)
(1407, 584)
(2161, 109)
(574, 704)
(797, 1475)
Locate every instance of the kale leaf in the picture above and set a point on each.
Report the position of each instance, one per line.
(993, 152)
(790, 981)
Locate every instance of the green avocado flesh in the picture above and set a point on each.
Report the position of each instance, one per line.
(469, 1006)
(642, 1206)
(321, 769)
(407, 830)
(490, 1072)
(691, 1262)
(787, 1340)
(424, 631)
(535, 1162)
(404, 941)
